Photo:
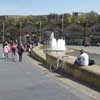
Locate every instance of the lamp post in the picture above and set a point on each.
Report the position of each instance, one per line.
(40, 31)
(20, 33)
(3, 38)
(62, 23)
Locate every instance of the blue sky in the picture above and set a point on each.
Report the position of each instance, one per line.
(42, 7)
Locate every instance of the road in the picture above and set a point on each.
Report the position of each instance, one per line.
(29, 81)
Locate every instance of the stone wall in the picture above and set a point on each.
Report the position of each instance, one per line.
(85, 73)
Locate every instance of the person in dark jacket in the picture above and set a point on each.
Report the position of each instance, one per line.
(20, 52)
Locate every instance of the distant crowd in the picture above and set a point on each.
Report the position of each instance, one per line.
(12, 49)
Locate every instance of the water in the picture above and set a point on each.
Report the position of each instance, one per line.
(53, 44)
(57, 44)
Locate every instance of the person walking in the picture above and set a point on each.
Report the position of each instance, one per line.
(20, 52)
(6, 51)
(14, 47)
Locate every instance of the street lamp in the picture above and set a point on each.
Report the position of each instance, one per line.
(62, 23)
(20, 34)
(3, 38)
(40, 31)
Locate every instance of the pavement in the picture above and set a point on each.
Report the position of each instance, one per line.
(29, 80)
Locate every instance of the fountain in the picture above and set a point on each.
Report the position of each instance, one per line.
(57, 45)
(53, 42)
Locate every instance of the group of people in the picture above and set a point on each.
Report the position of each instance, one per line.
(12, 49)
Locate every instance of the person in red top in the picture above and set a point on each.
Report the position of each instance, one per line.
(13, 48)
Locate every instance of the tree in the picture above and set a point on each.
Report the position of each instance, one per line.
(69, 20)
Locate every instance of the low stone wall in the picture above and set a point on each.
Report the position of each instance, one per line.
(37, 54)
(88, 74)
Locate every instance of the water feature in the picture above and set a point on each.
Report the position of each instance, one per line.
(58, 45)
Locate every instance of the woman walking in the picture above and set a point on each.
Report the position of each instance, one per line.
(6, 51)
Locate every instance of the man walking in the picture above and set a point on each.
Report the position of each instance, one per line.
(20, 52)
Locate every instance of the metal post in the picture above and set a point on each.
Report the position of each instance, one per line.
(3, 38)
(40, 31)
(62, 23)
(20, 33)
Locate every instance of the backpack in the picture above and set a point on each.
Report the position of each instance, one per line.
(91, 62)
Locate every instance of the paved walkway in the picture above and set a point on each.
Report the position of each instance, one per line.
(26, 81)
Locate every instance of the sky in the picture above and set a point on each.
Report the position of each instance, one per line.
(44, 7)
